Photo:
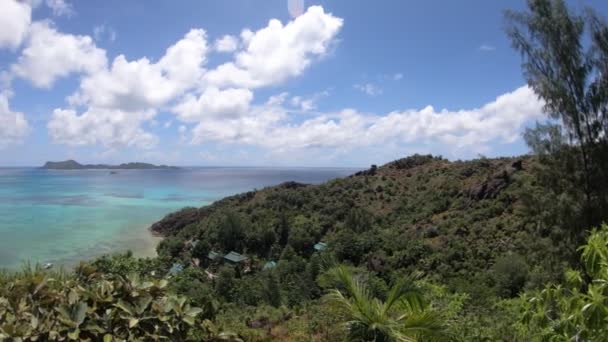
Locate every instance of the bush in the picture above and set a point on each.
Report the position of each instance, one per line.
(510, 273)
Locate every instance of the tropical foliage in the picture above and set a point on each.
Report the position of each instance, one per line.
(36, 305)
(403, 316)
(578, 309)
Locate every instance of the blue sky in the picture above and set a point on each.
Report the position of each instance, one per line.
(272, 82)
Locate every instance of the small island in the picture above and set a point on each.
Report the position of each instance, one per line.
(74, 165)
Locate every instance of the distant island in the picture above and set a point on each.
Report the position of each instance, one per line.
(74, 165)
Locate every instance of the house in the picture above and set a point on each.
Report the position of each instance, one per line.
(269, 265)
(175, 269)
(320, 246)
(235, 257)
(213, 256)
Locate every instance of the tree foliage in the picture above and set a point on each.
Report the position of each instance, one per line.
(578, 309)
(565, 60)
(403, 316)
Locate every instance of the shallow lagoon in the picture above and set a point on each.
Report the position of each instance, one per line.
(65, 216)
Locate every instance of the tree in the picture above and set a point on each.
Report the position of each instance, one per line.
(510, 275)
(225, 283)
(567, 69)
(358, 220)
(402, 317)
(201, 250)
(231, 233)
(171, 247)
(577, 311)
(272, 291)
(283, 229)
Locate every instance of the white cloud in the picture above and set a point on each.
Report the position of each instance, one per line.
(103, 32)
(307, 104)
(50, 54)
(227, 44)
(15, 18)
(278, 52)
(13, 125)
(214, 102)
(60, 8)
(397, 76)
(143, 84)
(121, 98)
(270, 126)
(486, 48)
(108, 127)
(369, 89)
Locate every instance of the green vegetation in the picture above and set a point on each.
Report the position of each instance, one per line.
(401, 317)
(419, 249)
(578, 307)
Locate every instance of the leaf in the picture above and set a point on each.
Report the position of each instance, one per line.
(80, 313)
(107, 338)
(73, 297)
(124, 306)
(74, 334)
(193, 312)
(189, 319)
(133, 322)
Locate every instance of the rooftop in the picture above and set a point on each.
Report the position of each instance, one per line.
(269, 265)
(235, 257)
(320, 246)
(175, 269)
(213, 255)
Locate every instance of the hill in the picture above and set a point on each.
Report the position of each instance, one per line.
(451, 220)
(74, 165)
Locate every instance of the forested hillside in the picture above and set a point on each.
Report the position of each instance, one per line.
(450, 220)
(419, 249)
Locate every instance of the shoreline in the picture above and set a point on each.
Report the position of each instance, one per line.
(144, 246)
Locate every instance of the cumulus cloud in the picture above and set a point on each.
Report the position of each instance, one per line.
(278, 52)
(214, 102)
(307, 104)
(50, 54)
(116, 101)
(108, 127)
(269, 126)
(227, 44)
(121, 98)
(13, 125)
(142, 84)
(15, 18)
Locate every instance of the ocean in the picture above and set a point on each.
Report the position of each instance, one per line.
(61, 217)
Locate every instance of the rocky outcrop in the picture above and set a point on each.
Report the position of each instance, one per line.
(174, 222)
(498, 181)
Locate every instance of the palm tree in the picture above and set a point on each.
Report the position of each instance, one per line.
(402, 317)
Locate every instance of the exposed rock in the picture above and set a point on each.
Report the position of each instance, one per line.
(174, 222)
(495, 183)
(292, 185)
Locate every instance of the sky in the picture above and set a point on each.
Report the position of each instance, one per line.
(260, 82)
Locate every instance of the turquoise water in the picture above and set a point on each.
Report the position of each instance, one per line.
(65, 216)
